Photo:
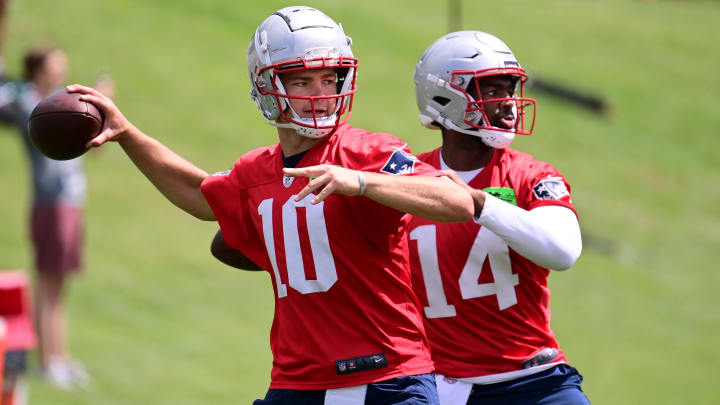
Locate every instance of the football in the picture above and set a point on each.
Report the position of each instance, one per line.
(61, 124)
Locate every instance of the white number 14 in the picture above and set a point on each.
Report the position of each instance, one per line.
(486, 245)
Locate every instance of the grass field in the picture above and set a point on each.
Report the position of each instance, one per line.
(156, 320)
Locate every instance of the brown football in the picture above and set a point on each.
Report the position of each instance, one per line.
(61, 124)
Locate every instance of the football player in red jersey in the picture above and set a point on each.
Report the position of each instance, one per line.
(483, 283)
(323, 211)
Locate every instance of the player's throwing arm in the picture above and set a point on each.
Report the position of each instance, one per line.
(176, 178)
(434, 198)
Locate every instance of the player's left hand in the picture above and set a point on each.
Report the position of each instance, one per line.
(327, 180)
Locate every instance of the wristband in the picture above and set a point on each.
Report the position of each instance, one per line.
(361, 180)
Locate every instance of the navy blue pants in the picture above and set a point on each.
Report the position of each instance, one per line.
(559, 385)
(410, 390)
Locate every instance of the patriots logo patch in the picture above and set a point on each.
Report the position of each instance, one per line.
(400, 162)
(552, 188)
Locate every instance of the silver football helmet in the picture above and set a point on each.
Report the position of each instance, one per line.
(295, 39)
(443, 79)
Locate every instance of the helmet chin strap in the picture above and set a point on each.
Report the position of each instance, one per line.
(309, 130)
(302, 130)
(497, 139)
(307, 125)
(493, 138)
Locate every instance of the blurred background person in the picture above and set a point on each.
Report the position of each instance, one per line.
(56, 215)
(3, 12)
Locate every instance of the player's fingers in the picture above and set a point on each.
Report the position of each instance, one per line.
(311, 171)
(313, 186)
(98, 140)
(323, 194)
(304, 192)
(79, 88)
(99, 102)
(294, 172)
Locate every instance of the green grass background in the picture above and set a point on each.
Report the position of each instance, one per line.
(156, 320)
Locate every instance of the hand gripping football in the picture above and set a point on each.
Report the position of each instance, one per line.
(61, 124)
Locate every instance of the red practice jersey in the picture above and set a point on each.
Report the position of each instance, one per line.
(486, 307)
(345, 311)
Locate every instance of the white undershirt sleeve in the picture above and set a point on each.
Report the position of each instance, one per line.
(548, 236)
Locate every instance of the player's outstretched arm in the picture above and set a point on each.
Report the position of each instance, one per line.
(548, 236)
(434, 198)
(176, 178)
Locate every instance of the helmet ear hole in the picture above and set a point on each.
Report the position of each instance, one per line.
(342, 74)
(443, 101)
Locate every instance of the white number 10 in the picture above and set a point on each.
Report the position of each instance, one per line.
(486, 245)
(319, 245)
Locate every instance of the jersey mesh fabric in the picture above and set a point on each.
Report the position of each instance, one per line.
(370, 308)
(481, 338)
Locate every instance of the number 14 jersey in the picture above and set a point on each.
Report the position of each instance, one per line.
(486, 307)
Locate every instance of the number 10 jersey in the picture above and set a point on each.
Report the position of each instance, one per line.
(345, 312)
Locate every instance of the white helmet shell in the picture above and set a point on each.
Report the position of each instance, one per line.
(299, 38)
(442, 78)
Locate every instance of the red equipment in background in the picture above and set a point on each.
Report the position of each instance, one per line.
(19, 336)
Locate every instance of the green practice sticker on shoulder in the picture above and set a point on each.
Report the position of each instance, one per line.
(504, 193)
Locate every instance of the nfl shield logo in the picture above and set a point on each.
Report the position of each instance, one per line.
(288, 181)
